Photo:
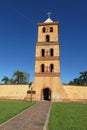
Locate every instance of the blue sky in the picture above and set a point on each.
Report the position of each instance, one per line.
(18, 35)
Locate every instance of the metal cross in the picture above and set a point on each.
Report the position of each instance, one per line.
(49, 13)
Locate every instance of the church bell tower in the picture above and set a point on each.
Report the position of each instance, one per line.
(47, 61)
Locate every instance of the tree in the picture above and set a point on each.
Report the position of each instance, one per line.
(27, 76)
(5, 80)
(11, 81)
(83, 77)
(82, 80)
(76, 81)
(20, 77)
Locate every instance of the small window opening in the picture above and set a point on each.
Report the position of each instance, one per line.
(51, 29)
(51, 52)
(42, 68)
(43, 52)
(51, 68)
(47, 38)
(44, 30)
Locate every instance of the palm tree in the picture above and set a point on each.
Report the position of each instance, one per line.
(84, 77)
(11, 81)
(27, 76)
(5, 80)
(76, 81)
(18, 77)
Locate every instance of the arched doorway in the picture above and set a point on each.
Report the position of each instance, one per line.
(47, 94)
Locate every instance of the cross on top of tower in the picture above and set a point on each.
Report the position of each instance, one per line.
(48, 20)
(49, 13)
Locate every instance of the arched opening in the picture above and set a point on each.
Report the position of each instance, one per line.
(51, 29)
(47, 38)
(51, 52)
(42, 67)
(43, 30)
(51, 68)
(47, 94)
(43, 52)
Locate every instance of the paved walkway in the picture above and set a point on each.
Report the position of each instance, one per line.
(31, 119)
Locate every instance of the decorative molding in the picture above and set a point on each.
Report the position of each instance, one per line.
(47, 74)
(52, 23)
(47, 43)
(47, 58)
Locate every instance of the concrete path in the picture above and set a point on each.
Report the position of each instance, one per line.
(31, 119)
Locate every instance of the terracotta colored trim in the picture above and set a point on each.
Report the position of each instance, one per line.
(42, 24)
(47, 74)
(46, 43)
(48, 58)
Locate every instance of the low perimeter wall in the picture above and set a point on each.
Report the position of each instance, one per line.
(73, 93)
(76, 93)
(13, 91)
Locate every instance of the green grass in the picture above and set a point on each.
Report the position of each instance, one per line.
(68, 116)
(10, 108)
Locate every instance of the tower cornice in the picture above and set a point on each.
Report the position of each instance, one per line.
(47, 43)
(42, 24)
(48, 58)
(47, 74)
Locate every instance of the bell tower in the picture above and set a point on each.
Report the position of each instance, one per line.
(47, 61)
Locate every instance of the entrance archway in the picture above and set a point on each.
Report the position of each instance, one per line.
(47, 94)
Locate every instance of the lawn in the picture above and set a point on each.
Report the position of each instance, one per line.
(68, 116)
(10, 108)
